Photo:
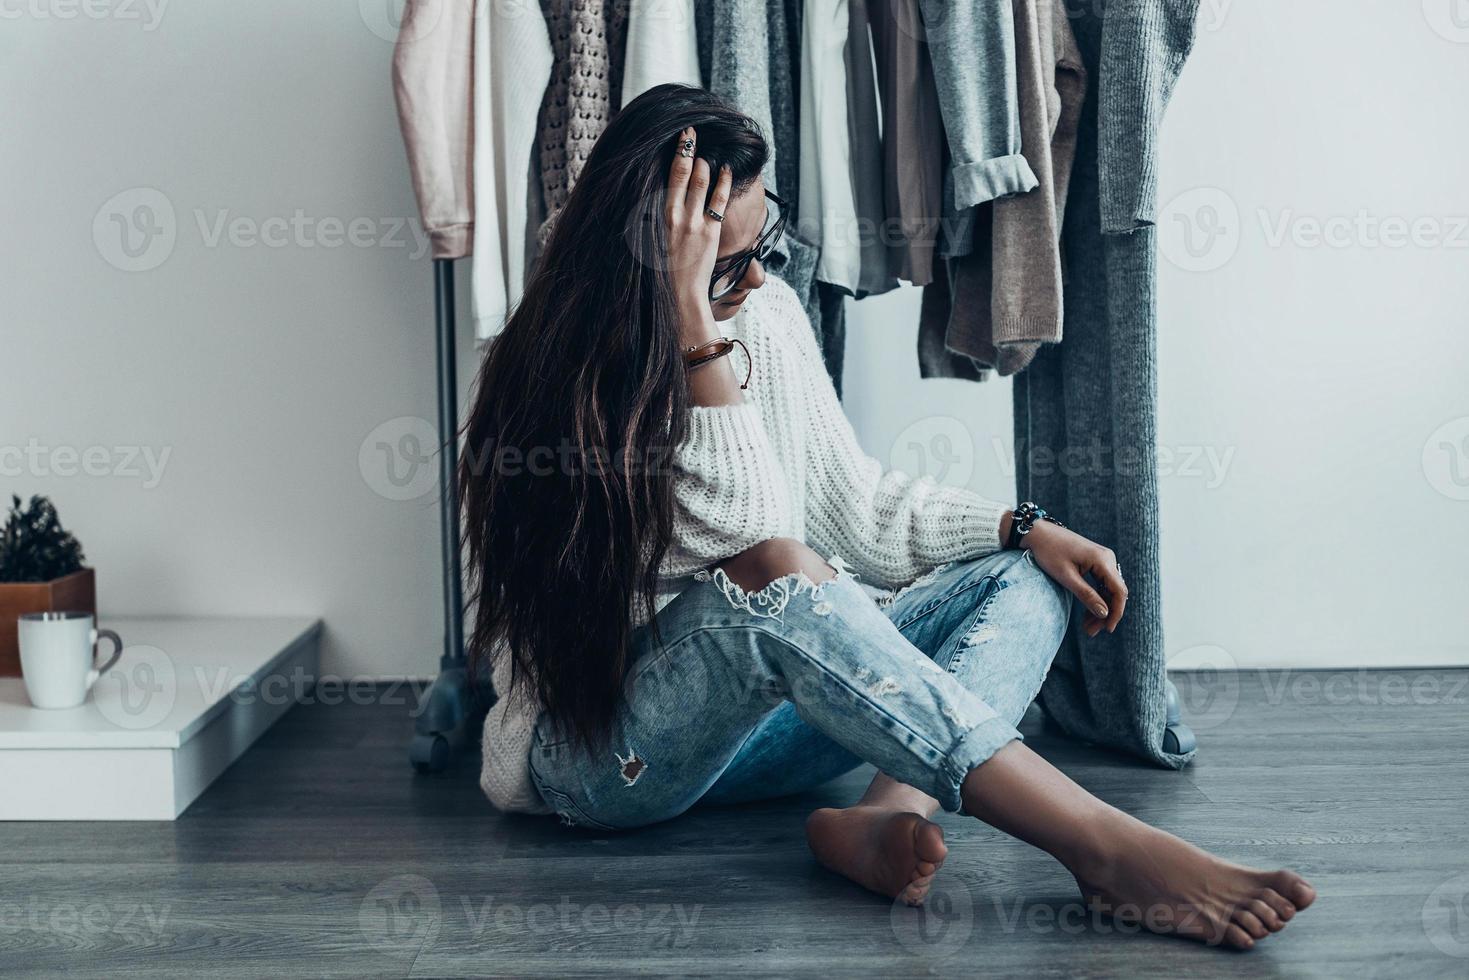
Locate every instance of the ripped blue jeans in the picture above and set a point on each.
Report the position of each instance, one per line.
(771, 692)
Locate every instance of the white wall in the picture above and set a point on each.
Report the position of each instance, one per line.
(1322, 522)
(258, 368)
(261, 370)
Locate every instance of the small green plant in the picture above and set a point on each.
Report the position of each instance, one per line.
(34, 547)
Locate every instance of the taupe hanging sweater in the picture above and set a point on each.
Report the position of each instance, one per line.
(1003, 299)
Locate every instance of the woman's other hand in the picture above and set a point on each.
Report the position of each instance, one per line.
(1069, 558)
(693, 237)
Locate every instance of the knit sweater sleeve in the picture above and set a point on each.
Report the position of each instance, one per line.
(889, 526)
(729, 489)
(506, 740)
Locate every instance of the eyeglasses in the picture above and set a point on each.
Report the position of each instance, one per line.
(727, 274)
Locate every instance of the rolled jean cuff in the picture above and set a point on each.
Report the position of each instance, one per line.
(975, 747)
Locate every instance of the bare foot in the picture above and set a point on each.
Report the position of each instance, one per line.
(1144, 875)
(893, 852)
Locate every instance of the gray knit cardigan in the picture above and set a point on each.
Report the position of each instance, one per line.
(1097, 390)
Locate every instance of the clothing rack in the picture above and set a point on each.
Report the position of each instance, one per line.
(446, 719)
(1109, 690)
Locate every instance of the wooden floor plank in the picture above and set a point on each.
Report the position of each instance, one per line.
(320, 854)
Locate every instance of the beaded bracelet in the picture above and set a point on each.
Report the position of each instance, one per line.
(693, 358)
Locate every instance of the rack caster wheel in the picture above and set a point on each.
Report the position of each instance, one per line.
(1178, 738)
(429, 753)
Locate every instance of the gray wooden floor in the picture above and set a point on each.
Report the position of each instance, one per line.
(320, 854)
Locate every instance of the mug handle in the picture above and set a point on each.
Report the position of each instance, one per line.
(95, 673)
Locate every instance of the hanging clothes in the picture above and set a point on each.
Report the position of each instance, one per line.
(738, 69)
(1095, 394)
(874, 268)
(433, 86)
(863, 122)
(588, 41)
(828, 211)
(750, 51)
(794, 259)
(972, 46)
(783, 25)
(512, 65)
(934, 359)
(913, 145)
(662, 46)
(1004, 296)
(1025, 303)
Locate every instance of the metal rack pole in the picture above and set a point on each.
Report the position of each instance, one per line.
(446, 717)
(448, 464)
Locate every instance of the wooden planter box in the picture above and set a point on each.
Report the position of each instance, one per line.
(76, 592)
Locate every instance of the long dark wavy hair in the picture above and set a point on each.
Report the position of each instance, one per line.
(587, 373)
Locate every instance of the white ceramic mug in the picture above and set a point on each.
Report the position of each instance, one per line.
(58, 656)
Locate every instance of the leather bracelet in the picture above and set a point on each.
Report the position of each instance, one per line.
(693, 358)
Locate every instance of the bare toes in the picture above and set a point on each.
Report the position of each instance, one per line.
(1247, 921)
(1266, 914)
(928, 844)
(1294, 888)
(917, 891)
(1282, 907)
(1235, 936)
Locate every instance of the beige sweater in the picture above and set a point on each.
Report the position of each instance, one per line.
(785, 462)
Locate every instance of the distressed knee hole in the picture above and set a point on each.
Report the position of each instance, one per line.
(771, 600)
(632, 767)
(760, 564)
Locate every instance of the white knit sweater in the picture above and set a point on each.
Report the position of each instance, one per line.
(784, 463)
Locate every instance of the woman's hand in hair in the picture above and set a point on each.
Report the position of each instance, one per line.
(693, 236)
(1069, 558)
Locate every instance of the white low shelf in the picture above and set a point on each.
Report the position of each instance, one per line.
(188, 697)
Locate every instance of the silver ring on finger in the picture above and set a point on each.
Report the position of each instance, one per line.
(714, 214)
